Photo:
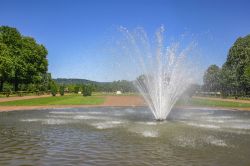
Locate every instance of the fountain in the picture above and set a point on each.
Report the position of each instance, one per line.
(166, 71)
(129, 135)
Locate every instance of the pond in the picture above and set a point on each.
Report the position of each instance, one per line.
(124, 136)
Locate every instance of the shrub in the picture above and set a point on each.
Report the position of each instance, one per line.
(53, 88)
(31, 88)
(61, 90)
(20, 93)
(87, 90)
(76, 89)
(7, 89)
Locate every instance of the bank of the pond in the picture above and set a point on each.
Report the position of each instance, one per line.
(58, 100)
(77, 101)
(71, 102)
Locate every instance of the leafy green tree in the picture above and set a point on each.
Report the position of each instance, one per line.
(6, 65)
(34, 56)
(246, 75)
(45, 82)
(27, 62)
(87, 90)
(31, 88)
(7, 88)
(71, 88)
(76, 89)
(61, 90)
(53, 88)
(211, 78)
(12, 39)
(237, 64)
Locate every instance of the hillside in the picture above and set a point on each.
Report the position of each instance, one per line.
(67, 81)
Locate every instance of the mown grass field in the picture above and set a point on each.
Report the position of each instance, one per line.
(57, 100)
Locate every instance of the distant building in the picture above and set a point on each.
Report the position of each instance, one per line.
(118, 92)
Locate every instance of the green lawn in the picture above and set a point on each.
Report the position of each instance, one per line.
(212, 103)
(58, 100)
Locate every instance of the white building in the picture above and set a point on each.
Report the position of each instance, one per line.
(118, 92)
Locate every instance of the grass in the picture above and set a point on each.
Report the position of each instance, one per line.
(58, 100)
(212, 103)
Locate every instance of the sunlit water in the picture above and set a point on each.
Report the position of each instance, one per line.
(124, 136)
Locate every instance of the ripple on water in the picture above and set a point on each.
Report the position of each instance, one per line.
(185, 141)
(152, 134)
(209, 126)
(145, 132)
(55, 121)
(86, 117)
(30, 120)
(63, 112)
(148, 123)
(193, 142)
(49, 121)
(239, 126)
(107, 124)
(215, 141)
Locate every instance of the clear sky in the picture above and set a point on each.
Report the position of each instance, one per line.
(75, 32)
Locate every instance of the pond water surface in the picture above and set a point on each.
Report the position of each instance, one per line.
(124, 136)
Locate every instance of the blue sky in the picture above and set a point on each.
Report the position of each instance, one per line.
(76, 32)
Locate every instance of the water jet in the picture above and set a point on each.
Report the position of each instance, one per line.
(166, 71)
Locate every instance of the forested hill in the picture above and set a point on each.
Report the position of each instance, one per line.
(121, 85)
(67, 81)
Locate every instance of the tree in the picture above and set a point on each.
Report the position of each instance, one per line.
(61, 90)
(36, 64)
(211, 78)
(53, 88)
(87, 90)
(237, 64)
(6, 65)
(26, 59)
(12, 39)
(76, 89)
(7, 88)
(45, 82)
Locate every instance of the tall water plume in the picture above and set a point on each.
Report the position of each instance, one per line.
(165, 72)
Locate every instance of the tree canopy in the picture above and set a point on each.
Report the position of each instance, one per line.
(22, 59)
(234, 76)
(211, 78)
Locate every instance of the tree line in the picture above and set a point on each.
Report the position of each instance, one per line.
(120, 85)
(233, 78)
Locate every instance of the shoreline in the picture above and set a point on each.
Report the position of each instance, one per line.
(33, 108)
(110, 101)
